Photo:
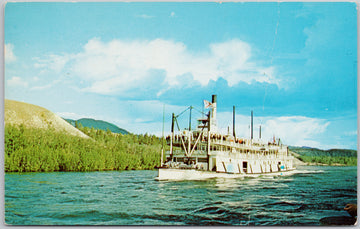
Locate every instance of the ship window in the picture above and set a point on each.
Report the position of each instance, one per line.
(245, 164)
(202, 160)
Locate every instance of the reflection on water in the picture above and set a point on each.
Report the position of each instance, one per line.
(135, 198)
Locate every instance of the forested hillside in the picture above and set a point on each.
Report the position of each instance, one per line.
(328, 157)
(37, 140)
(45, 150)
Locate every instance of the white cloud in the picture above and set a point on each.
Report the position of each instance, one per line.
(9, 53)
(292, 130)
(297, 130)
(52, 62)
(120, 66)
(172, 14)
(16, 82)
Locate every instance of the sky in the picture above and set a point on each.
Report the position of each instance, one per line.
(134, 64)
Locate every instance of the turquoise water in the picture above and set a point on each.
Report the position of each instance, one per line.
(135, 198)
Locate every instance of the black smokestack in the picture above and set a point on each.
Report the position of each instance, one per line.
(213, 99)
(172, 123)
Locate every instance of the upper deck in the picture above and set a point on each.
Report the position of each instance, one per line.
(200, 141)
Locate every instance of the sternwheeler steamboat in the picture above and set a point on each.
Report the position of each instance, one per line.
(206, 153)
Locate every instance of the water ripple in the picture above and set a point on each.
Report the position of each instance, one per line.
(135, 198)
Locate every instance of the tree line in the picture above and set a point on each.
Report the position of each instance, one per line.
(328, 157)
(330, 160)
(47, 150)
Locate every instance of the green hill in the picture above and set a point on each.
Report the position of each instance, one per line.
(98, 125)
(307, 151)
(327, 157)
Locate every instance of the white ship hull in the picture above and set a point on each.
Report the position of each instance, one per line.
(193, 174)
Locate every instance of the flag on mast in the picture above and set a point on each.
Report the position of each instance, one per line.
(207, 104)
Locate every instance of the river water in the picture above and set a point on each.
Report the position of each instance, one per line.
(136, 198)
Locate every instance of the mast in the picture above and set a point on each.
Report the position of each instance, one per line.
(260, 132)
(162, 148)
(189, 137)
(252, 123)
(234, 122)
(208, 141)
(190, 119)
(172, 135)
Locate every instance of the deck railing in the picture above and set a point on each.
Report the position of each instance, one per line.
(248, 156)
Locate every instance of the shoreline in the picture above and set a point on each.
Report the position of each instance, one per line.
(321, 164)
(304, 164)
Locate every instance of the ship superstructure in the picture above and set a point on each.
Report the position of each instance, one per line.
(205, 152)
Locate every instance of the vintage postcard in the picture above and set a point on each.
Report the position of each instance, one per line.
(180, 113)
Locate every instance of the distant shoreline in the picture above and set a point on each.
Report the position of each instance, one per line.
(321, 164)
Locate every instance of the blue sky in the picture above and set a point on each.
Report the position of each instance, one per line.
(293, 64)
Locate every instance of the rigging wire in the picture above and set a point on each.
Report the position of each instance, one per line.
(189, 108)
(183, 112)
(201, 112)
